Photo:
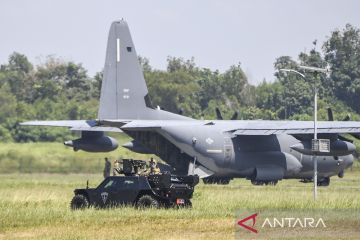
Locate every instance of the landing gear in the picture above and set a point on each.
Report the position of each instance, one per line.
(322, 182)
(216, 180)
(260, 183)
(306, 180)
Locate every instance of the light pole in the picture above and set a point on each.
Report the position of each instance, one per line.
(314, 150)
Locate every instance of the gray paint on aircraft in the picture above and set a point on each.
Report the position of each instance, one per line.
(257, 150)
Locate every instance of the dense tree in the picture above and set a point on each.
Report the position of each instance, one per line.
(7, 103)
(342, 52)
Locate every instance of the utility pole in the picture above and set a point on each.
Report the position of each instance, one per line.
(316, 143)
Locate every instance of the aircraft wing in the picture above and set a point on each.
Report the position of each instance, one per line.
(74, 125)
(294, 127)
(251, 127)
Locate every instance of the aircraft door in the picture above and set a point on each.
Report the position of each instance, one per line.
(228, 150)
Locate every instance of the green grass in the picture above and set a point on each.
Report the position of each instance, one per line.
(35, 195)
(36, 206)
(56, 158)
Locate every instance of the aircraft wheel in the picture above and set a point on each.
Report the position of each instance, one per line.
(209, 180)
(306, 180)
(324, 182)
(257, 183)
(273, 183)
(224, 181)
(79, 201)
(206, 181)
(147, 201)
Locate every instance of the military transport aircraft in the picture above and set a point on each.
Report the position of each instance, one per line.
(218, 150)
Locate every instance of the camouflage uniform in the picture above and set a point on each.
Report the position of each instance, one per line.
(117, 170)
(154, 169)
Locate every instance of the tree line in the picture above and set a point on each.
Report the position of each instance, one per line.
(58, 89)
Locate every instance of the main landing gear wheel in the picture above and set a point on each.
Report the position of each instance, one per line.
(324, 182)
(216, 180)
(260, 183)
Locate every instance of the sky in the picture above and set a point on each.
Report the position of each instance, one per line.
(217, 34)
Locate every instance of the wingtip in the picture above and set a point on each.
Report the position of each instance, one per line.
(25, 123)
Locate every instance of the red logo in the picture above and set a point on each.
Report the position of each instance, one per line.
(242, 221)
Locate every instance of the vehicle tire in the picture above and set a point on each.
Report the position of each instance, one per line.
(188, 204)
(147, 201)
(79, 201)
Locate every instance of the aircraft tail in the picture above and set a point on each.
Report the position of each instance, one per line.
(124, 94)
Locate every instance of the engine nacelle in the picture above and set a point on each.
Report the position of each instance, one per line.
(93, 142)
(337, 148)
(137, 147)
(268, 173)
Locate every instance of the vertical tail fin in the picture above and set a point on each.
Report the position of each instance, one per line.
(124, 94)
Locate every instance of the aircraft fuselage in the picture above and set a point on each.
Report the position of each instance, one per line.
(227, 155)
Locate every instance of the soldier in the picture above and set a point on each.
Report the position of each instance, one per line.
(117, 170)
(144, 172)
(107, 168)
(154, 169)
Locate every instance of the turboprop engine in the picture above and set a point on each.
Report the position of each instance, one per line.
(93, 142)
(337, 148)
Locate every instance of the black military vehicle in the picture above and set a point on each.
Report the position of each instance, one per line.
(153, 190)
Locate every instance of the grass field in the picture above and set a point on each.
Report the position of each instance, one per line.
(36, 206)
(37, 182)
(45, 157)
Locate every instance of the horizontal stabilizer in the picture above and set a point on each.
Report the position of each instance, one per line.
(61, 123)
(74, 125)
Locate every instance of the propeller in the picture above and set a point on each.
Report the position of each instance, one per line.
(330, 115)
(220, 117)
(347, 118)
(235, 116)
(218, 114)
